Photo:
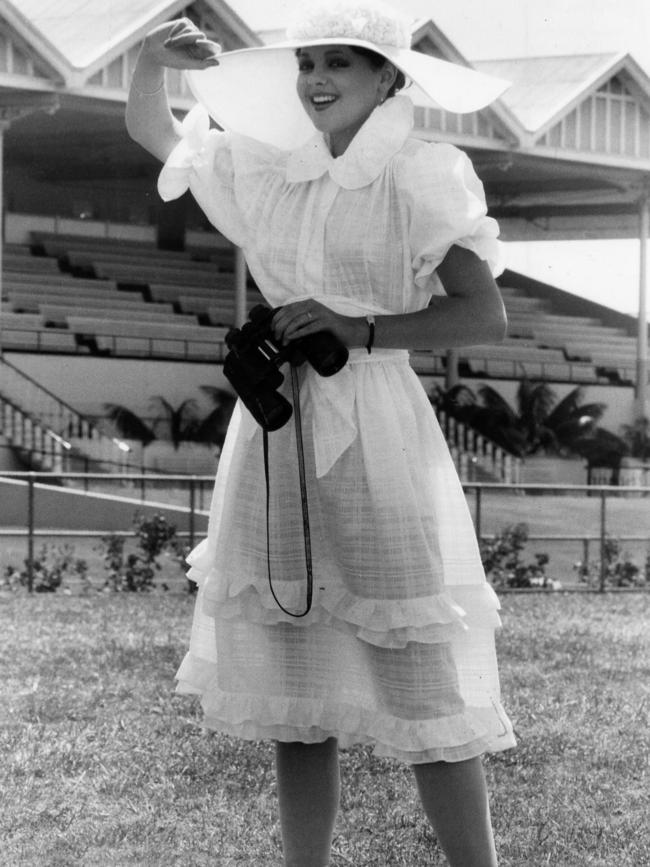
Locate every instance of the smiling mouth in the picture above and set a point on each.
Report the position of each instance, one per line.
(323, 101)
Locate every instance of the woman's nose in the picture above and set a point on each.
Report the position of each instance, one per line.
(317, 76)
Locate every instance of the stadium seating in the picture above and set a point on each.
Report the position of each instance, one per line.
(127, 297)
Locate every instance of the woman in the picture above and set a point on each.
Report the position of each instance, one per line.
(351, 226)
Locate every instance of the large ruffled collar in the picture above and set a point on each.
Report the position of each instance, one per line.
(381, 136)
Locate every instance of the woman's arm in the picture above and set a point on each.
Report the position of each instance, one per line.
(178, 44)
(471, 313)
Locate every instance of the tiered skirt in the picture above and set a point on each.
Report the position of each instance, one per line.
(398, 648)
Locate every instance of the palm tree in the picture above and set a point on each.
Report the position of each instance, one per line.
(212, 429)
(180, 424)
(128, 424)
(536, 424)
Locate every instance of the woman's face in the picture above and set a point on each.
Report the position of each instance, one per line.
(339, 89)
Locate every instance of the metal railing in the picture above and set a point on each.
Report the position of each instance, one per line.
(600, 537)
(36, 421)
(197, 485)
(194, 504)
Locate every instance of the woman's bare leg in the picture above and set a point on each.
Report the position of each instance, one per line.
(308, 792)
(455, 799)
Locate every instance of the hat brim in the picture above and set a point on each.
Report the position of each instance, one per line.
(253, 90)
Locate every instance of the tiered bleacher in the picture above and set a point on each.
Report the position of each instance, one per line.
(83, 294)
(87, 295)
(546, 345)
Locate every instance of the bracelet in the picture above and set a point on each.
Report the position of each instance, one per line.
(371, 333)
(148, 92)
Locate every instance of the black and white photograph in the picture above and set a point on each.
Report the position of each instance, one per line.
(325, 433)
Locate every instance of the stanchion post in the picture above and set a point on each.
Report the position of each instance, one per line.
(641, 383)
(30, 533)
(192, 509)
(603, 540)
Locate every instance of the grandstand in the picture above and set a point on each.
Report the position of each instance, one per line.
(102, 285)
(75, 295)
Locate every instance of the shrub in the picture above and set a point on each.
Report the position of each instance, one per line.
(50, 568)
(136, 572)
(619, 568)
(504, 567)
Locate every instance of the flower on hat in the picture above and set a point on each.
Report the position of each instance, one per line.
(370, 22)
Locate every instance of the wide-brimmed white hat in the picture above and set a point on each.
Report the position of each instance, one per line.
(253, 90)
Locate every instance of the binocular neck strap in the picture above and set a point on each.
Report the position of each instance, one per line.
(303, 497)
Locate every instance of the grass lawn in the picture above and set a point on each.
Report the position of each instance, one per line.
(103, 764)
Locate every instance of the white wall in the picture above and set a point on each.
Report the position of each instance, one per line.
(86, 382)
(69, 509)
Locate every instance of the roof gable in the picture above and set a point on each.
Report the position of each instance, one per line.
(84, 37)
(78, 31)
(611, 121)
(116, 73)
(544, 88)
(493, 123)
(21, 54)
(593, 106)
(18, 58)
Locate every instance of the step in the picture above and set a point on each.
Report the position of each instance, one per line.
(129, 328)
(61, 313)
(27, 262)
(37, 281)
(31, 302)
(148, 274)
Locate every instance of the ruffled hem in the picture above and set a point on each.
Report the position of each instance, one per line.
(382, 622)
(454, 738)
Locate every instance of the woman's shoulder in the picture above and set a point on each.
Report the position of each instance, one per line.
(420, 161)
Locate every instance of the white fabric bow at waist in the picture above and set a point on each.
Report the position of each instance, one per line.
(334, 426)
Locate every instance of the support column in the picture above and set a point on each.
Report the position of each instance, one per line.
(451, 373)
(4, 126)
(241, 272)
(641, 393)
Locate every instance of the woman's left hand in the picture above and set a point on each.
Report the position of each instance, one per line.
(302, 318)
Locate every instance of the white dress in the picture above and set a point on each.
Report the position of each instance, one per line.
(398, 649)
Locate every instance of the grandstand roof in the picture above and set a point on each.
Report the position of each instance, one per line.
(79, 33)
(542, 87)
(566, 150)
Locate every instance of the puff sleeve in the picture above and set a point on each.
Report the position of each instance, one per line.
(447, 206)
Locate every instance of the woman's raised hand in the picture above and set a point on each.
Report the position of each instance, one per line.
(181, 45)
(177, 44)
